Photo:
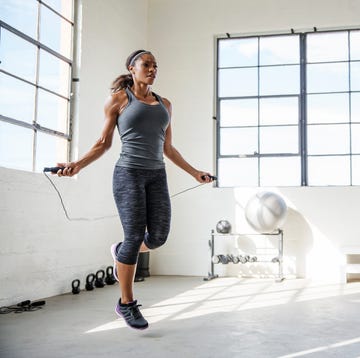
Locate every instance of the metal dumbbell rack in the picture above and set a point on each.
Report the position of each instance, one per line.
(279, 259)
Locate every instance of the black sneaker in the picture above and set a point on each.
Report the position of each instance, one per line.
(132, 315)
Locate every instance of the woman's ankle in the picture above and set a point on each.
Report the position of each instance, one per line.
(126, 300)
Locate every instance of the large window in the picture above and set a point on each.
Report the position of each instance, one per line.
(288, 110)
(36, 46)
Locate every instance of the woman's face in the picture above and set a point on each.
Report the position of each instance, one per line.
(144, 69)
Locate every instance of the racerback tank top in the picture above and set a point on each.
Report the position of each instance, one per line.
(142, 130)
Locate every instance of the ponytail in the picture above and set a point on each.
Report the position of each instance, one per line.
(124, 81)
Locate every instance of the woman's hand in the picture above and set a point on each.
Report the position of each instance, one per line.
(69, 169)
(203, 177)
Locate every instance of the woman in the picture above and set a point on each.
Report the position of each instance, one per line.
(139, 180)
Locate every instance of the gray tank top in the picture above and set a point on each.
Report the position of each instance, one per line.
(142, 130)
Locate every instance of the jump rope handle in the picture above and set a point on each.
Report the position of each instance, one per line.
(212, 177)
(53, 170)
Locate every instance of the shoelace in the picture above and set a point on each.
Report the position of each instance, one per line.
(135, 312)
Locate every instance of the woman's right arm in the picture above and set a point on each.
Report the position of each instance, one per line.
(112, 108)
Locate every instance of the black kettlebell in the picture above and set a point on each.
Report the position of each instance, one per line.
(90, 278)
(99, 281)
(75, 286)
(110, 278)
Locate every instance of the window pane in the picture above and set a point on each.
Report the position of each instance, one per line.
(52, 111)
(16, 99)
(329, 77)
(54, 74)
(21, 14)
(17, 56)
(280, 110)
(238, 52)
(279, 140)
(325, 47)
(49, 151)
(16, 146)
(238, 82)
(329, 170)
(355, 107)
(328, 108)
(55, 32)
(64, 7)
(355, 138)
(238, 172)
(280, 171)
(355, 45)
(355, 76)
(328, 139)
(234, 141)
(239, 112)
(355, 161)
(280, 80)
(279, 50)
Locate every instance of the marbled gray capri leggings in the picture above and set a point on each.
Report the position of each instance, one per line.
(143, 202)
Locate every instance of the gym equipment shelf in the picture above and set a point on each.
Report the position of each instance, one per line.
(279, 259)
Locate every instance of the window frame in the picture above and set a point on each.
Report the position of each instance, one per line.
(35, 126)
(303, 94)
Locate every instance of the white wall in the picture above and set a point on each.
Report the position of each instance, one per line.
(40, 251)
(320, 220)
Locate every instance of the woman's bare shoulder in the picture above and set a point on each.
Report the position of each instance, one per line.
(167, 104)
(116, 101)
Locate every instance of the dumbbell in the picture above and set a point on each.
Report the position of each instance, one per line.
(253, 259)
(234, 259)
(242, 259)
(216, 259)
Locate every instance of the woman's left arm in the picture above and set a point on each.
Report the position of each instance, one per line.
(174, 155)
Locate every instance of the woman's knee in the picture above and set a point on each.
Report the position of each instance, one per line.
(129, 251)
(153, 241)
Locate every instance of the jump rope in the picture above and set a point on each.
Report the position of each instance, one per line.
(56, 169)
(28, 306)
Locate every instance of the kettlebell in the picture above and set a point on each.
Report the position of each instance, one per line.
(110, 278)
(75, 286)
(90, 278)
(99, 281)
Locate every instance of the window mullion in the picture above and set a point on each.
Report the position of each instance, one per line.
(350, 114)
(258, 154)
(217, 144)
(303, 110)
(36, 87)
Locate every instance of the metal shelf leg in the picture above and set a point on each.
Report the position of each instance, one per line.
(211, 275)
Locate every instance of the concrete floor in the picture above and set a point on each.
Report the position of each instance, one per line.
(225, 317)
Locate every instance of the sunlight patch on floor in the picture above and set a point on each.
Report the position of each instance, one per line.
(322, 348)
(235, 294)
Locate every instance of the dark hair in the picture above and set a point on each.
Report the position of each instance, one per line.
(126, 80)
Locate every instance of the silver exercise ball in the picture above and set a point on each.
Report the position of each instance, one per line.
(266, 212)
(223, 227)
